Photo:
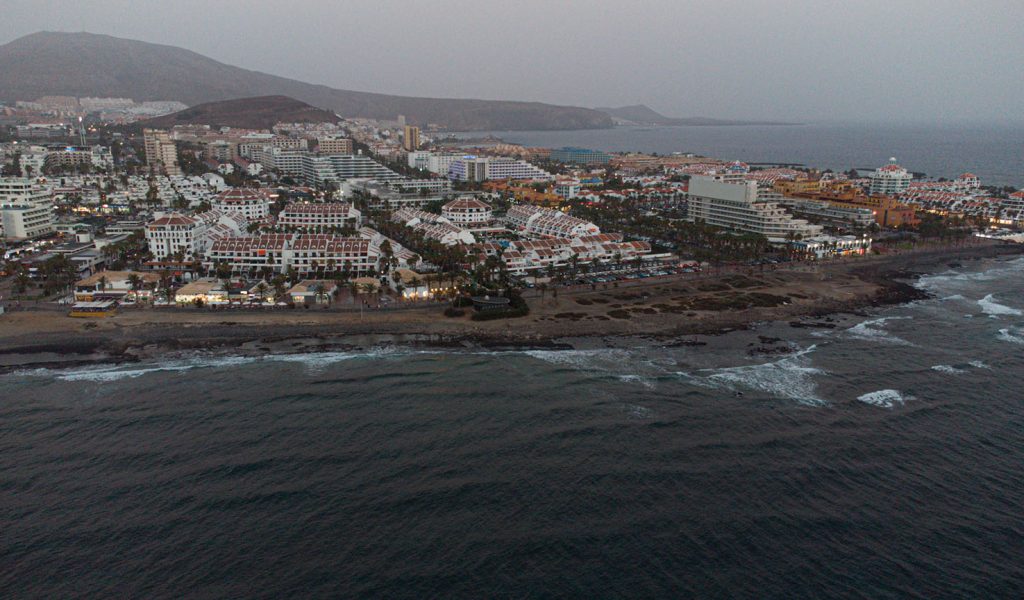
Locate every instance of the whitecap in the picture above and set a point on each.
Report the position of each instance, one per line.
(647, 383)
(977, 364)
(948, 369)
(584, 360)
(117, 372)
(884, 398)
(1013, 335)
(790, 378)
(992, 308)
(871, 331)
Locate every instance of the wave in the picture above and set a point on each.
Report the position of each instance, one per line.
(1014, 335)
(871, 331)
(948, 369)
(884, 398)
(620, 364)
(942, 280)
(790, 378)
(314, 361)
(993, 309)
(116, 372)
(977, 364)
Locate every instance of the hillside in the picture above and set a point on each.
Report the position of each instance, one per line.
(261, 112)
(638, 114)
(85, 64)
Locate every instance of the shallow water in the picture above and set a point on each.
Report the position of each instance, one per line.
(877, 459)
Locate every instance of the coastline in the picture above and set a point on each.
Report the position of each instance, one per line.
(670, 312)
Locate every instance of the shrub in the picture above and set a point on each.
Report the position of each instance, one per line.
(454, 312)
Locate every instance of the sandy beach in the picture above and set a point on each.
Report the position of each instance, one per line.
(666, 310)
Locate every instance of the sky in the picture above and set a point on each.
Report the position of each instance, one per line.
(806, 60)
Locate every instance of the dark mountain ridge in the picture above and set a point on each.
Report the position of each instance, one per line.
(261, 112)
(86, 64)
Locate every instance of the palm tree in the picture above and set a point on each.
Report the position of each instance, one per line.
(135, 282)
(261, 291)
(22, 281)
(101, 285)
(319, 291)
(278, 286)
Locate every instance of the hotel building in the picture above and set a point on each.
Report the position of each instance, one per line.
(477, 168)
(890, 180)
(580, 156)
(251, 204)
(161, 153)
(731, 202)
(26, 211)
(319, 217)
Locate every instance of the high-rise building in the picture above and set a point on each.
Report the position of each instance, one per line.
(161, 154)
(334, 145)
(890, 180)
(411, 138)
(732, 202)
(483, 168)
(26, 211)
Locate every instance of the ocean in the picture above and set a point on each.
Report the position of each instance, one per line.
(879, 458)
(995, 153)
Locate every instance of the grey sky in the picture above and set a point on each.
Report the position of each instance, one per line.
(784, 59)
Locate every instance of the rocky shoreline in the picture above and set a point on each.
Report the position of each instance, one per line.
(888, 281)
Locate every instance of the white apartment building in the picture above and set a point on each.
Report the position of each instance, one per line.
(732, 202)
(419, 159)
(432, 226)
(534, 255)
(890, 180)
(542, 222)
(467, 212)
(161, 153)
(417, 186)
(484, 168)
(319, 217)
(251, 204)
(320, 169)
(568, 188)
(26, 210)
(175, 232)
(305, 253)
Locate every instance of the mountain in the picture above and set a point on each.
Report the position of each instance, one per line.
(261, 112)
(638, 114)
(86, 64)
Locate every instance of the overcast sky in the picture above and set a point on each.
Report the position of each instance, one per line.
(782, 59)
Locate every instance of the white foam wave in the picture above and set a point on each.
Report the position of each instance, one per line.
(977, 364)
(948, 369)
(884, 398)
(116, 372)
(314, 361)
(872, 331)
(790, 378)
(945, 279)
(586, 360)
(992, 308)
(1014, 335)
